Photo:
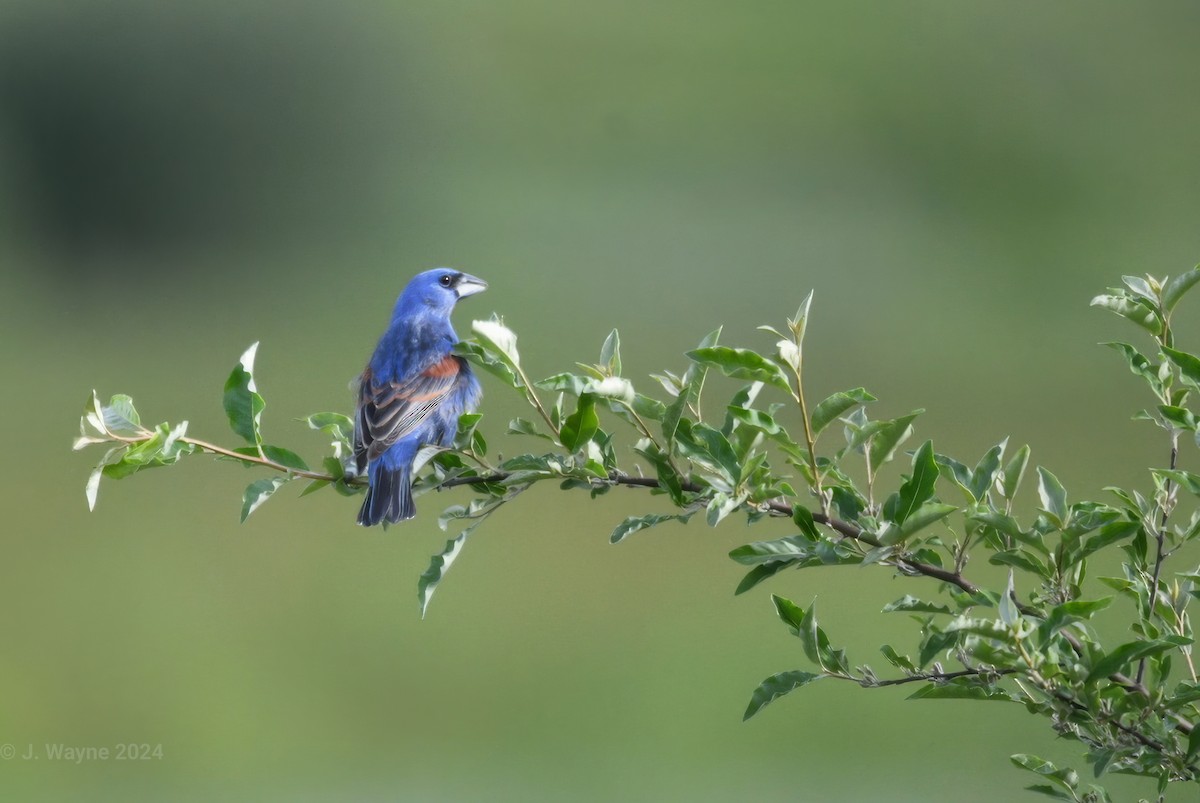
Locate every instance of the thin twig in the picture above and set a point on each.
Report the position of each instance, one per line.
(938, 677)
(261, 460)
(1159, 536)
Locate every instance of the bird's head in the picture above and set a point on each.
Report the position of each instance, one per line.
(440, 289)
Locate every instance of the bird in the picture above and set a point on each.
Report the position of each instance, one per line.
(412, 392)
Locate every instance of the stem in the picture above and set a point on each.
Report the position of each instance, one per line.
(533, 399)
(809, 441)
(870, 477)
(641, 425)
(1159, 536)
(1181, 629)
(260, 460)
(936, 677)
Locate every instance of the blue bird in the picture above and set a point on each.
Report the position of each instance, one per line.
(412, 392)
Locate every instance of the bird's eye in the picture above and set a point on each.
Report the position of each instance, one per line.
(446, 280)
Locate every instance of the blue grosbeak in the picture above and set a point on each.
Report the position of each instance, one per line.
(412, 392)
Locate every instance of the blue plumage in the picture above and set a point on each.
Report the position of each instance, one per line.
(412, 392)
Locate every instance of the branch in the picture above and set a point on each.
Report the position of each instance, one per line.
(842, 528)
(257, 460)
(937, 677)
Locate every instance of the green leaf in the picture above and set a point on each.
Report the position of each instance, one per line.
(581, 426)
(918, 489)
(674, 413)
(92, 489)
(985, 472)
(498, 339)
(719, 506)
(337, 426)
(816, 644)
(921, 518)
(314, 486)
(1178, 417)
(162, 447)
(910, 603)
(799, 323)
(1068, 613)
(961, 689)
(1139, 365)
(1177, 286)
(1066, 778)
(1141, 288)
(777, 686)
(716, 446)
(259, 492)
(690, 387)
(741, 364)
(634, 523)
(1118, 658)
(1184, 693)
(495, 364)
(1138, 311)
(1184, 479)
(120, 417)
(649, 408)
(889, 437)
(756, 419)
(1009, 529)
(803, 518)
(242, 403)
(1022, 560)
(1014, 470)
(284, 457)
(896, 659)
(813, 638)
(1053, 497)
(831, 408)
(1188, 365)
(1009, 614)
(763, 571)
(1050, 791)
(565, 382)
(935, 642)
(610, 353)
(956, 473)
(858, 430)
(439, 564)
(790, 547)
(665, 471)
(1108, 534)
(521, 426)
(1193, 744)
(791, 613)
(93, 417)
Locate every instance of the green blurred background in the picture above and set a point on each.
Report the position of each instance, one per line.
(954, 179)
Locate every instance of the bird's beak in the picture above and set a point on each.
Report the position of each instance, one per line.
(469, 285)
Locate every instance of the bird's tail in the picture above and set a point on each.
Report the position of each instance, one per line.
(389, 496)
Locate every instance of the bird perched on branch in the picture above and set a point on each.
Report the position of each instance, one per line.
(412, 392)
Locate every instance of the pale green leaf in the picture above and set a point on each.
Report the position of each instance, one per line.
(777, 686)
(243, 405)
(259, 492)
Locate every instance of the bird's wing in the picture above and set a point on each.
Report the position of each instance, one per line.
(389, 411)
